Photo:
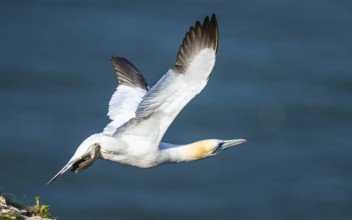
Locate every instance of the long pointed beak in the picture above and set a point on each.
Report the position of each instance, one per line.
(229, 143)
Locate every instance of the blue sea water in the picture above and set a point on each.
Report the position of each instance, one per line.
(282, 80)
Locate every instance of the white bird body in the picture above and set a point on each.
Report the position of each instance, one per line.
(140, 117)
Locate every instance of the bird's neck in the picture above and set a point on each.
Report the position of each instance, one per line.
(189, 152)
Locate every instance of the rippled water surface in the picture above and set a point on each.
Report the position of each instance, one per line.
(283, 81)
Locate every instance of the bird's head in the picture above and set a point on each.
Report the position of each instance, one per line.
(205, 148)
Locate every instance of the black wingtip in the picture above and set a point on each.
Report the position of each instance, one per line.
(214, 23)
(127, 73)
(213, 17)
(199, 36)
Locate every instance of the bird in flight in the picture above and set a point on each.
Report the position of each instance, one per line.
(141, 115)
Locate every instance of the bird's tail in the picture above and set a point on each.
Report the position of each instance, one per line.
(79, 163)
(62, 171)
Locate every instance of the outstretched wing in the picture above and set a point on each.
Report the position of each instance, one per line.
(129, 93)
(159, 107)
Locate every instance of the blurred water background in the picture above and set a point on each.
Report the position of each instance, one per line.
(283, 81)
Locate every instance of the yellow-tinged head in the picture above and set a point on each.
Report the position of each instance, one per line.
(199, 149)
(205, 148)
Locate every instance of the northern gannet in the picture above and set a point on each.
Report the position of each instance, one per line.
(140, 116)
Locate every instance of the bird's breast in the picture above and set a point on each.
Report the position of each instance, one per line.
(137, 158)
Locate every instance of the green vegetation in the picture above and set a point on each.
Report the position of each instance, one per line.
(11, 209)
(41, 210)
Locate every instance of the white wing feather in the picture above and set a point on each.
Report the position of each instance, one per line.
(122, 106)
(174, 90)
(160, 106)
(129, 93)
